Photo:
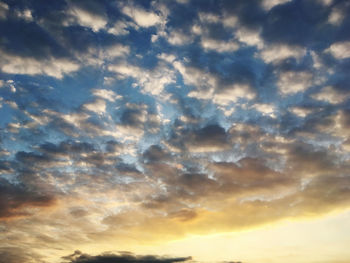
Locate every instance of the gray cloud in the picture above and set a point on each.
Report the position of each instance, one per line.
(126, 257)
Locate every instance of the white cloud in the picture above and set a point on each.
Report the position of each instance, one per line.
(208, 17)
(233, 93)
(142, 17)
(151, 82)
(291, 82)
(206, 86)
(57, 68)
(317, 62)
(276, 53)
(340, 50)
(24, 14)
(230, 21)
(167, 57)
(182, 1)
(249, 36)
(178, 39)
(98, 106)
(300, 112)
(3, 10)
(117, 50)
(84, 18)
(268, 4)
(336, 16)
(330, 95)
(109, 95)
(226, 96)
(325, 2)
(219, 46)
(195, 77)
(119, 29)
(265, 109)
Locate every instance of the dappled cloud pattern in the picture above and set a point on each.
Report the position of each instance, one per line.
(142, 122)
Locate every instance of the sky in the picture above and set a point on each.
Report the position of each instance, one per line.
(174, 131)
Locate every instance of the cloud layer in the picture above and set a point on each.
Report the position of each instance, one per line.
(146, 122)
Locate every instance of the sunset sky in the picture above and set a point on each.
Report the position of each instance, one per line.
(174, 131)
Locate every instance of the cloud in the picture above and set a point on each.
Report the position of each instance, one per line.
(265, 109)
(209, 86)
(79, 257)
(98, 106)
(142, 17)
(155, 154)
(301, 112)
(119, 28)
(109, 95)
(340, 50)
(277, 53)
(57, 68)
(178, 38)
(291, 82)
(268, 4)
(17, 254)
(219, 46)
(152, 81)
(88, 14)
(17, 199)
(3, 10)
(330, 95)
(137, 123)
(211, 138)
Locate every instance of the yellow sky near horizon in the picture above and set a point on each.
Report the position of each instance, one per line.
(315, 240)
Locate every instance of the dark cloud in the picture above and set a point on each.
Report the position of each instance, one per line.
(132, 117)
(114, 146)
(18, 255)
(67, 147)
(79, 257)
(155, 153)
(32, 158)
(15, 199)
(209, 138)
(128, 170)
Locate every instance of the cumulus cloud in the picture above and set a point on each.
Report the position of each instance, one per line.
(265, 109)
(331, 95)
(336, 16)
(178, 38)
(109, 95)
(57, 68)
(219, 46)
(98, 106)
(152, 81)
(208, 86)
(87, 14)
(340, 50)
(119, 28)
(268, 4)
(142, 17)
(291, 82)
(277, 53)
